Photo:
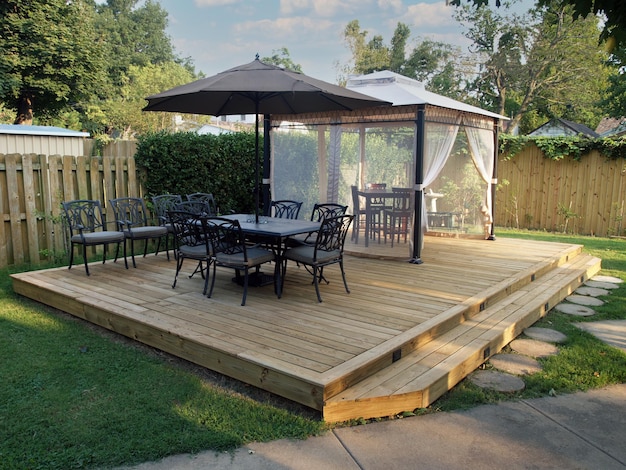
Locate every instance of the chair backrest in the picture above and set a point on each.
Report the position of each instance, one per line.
(285, 209)
(189, 229)
(205, 197)
(326, 211)
(163, 204)
(332, 234)
(84, 214)
(402, 199)
(197, 207)
(227, 237)
(129, 211)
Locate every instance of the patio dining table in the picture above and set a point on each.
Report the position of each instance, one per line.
(277, 230)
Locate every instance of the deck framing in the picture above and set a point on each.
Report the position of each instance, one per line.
(339, 356)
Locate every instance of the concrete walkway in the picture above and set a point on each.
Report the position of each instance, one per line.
(578, 431)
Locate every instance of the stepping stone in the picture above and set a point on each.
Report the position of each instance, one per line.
(573, 309)
(611, 279)
(591, 291)
(533, 348)
(497, 381)
(612, 332)
(601, 285)
(515, 364)
(584, 300)
(545, 334)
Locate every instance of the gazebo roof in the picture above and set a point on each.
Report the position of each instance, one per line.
(401, 90)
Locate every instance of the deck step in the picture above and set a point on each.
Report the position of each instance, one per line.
(420, 377)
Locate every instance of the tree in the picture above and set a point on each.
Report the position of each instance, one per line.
(281, 58)
(124, 114)
(615, 99)
(613, 11)
(136, 45)
(434, 63)
(544, 62)
(47, 62)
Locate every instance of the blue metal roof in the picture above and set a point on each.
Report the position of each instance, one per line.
(40, 130)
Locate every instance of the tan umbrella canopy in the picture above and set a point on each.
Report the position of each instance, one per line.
(259, 88)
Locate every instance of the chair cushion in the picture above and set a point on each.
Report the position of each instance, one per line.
(150, 231)
(256, 256)
(304, 254)
(197, 252)
(98, 238)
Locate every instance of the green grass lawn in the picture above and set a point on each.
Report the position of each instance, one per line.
(73, 395)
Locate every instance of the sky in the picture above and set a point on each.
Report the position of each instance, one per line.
(220, 34)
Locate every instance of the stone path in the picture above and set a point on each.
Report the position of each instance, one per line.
(543, 342)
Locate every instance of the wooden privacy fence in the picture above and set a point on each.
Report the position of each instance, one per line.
(32, 189)
(585, 197)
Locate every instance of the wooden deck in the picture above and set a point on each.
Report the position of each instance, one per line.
(404, 335)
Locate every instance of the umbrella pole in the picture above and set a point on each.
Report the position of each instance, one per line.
(256, 163)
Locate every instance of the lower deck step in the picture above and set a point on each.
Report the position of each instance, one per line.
(419, 378)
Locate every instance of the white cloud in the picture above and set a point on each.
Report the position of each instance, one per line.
(394, 5)
(215, 3)
(429, 16)
(324, 8)
(289, 7)
(298, 26)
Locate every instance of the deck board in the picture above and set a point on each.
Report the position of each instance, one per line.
(309, 351)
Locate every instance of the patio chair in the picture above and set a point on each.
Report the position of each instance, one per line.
(162, 205)
(319, 213)
(205, 197)
(230, 250)
(397, 220)
(192, 242)
(285, 209)
(87, 227)
(198, 207)
(132, 220)
(377, 207)
(327, 250)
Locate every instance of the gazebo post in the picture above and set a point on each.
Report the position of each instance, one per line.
(494, 180)
(420, 133)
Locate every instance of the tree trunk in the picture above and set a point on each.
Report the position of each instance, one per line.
(25, 110)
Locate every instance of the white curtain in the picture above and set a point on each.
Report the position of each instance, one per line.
(481, 145)
(334, 164)
(439, 141)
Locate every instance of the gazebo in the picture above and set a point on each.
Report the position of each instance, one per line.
(414, 143)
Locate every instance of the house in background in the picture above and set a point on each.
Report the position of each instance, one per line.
(558, 127)
(612, 127)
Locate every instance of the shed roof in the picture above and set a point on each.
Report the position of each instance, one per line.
(401, 90)
(560, 123)
(40, 130)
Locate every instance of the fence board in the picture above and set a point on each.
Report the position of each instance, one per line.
(81, 177)
(30, 209)
(13, 199)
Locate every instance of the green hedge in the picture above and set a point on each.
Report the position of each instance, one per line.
(185, 162)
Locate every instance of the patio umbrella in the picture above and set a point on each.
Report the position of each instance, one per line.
(259, 88)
